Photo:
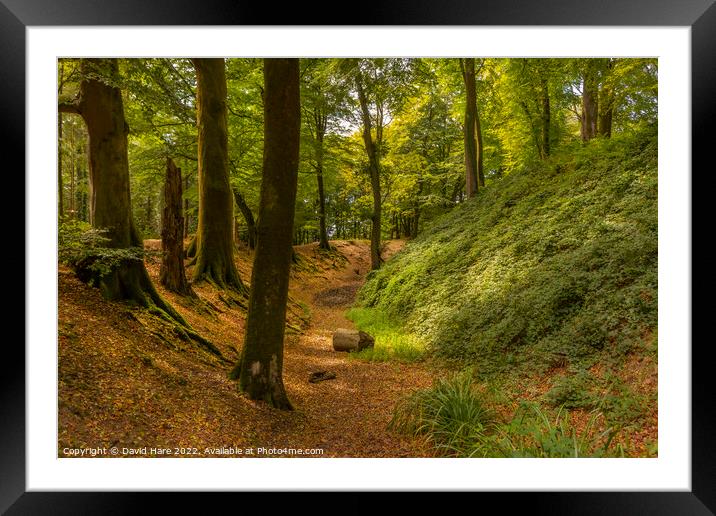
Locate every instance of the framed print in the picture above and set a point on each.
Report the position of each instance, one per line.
(57, 439)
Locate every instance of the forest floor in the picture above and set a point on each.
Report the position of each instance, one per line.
(126, 381)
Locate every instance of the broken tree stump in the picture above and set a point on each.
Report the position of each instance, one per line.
(351, 340)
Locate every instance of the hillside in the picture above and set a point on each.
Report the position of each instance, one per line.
(545, 284)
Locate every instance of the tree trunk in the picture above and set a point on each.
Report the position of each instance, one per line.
(100, 105)
(172, 274)
(60, 186)
(214, 240)
(148, 215)
(606, 105)
(590, 108)
(471, 164)
(320, 121)
(186, 207)
(480, 151)
(260, 369)
(322, 232)
(545, 118)
(248, 217)
(370, 149)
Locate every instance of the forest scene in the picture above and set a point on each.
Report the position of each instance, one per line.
(357, 257)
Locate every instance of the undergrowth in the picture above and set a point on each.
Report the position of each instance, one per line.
(543, 275)
(457, 420)
(554, 265)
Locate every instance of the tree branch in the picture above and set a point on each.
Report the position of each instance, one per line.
(69, 106)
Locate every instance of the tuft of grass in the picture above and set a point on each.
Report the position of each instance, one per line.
(451, 414)
(532, 433)
(392, 342)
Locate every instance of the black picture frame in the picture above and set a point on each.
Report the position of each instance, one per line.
(16, 15)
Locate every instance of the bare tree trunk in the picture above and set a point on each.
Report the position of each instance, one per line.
(260, 369)
(468, 75)
(214, 239)
(172, 274)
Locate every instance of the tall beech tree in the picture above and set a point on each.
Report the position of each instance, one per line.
(214, 259)
(99, 103)
(260, 369)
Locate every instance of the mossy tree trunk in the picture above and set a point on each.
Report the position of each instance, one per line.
(100, 105)
(470, 125)
(214, 260)
(374, 167)
(172, 274)
(260, 368)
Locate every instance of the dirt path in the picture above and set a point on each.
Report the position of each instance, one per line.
(120, 385)
(348, 415)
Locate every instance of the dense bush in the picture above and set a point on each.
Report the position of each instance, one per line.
(553, 264)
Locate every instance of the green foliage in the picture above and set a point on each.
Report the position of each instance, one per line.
(451, 414)
(456, 419)
(531, 433)
(82, 247)
(558, 263)
(456, 422)
(571, 391)
(392, 342)
(621, 405)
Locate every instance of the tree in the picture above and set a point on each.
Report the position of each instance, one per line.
(214, 259)
(322, 102)
(248, 217)
(260, 369)
(470, 127)
(371, 150)
(172, 274)
(100, 105)
(590, 100)
(606, 101)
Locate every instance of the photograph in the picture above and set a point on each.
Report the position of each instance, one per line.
(357, 257)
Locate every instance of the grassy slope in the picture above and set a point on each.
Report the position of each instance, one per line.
(554, 263)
